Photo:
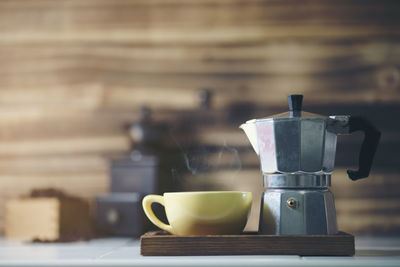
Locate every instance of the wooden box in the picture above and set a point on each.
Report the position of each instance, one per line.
(47, 219)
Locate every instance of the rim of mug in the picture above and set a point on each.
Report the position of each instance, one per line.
(209, 192)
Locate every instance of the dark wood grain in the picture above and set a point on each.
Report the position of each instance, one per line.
(156, 244)
(74, 73)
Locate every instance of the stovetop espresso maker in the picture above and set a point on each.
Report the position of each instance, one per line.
(297, 153)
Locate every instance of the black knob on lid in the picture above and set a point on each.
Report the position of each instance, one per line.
(295, 103)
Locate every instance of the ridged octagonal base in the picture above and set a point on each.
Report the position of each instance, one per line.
(298, 212)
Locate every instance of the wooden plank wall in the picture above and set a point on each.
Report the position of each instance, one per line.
(73, 73)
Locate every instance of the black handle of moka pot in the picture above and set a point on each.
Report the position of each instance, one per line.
(368, 146)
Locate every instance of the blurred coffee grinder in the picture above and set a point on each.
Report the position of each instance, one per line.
(145, 171)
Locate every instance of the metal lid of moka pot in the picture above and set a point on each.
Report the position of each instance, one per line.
(295, 112)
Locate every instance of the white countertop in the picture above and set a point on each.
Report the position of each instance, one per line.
(126, 252)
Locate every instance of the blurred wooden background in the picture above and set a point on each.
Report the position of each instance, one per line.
(73, 73)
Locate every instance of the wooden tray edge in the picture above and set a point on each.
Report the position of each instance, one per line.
(162, 244)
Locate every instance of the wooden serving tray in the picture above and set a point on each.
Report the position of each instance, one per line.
(160, 243)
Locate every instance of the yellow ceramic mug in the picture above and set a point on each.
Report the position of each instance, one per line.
(201, 213)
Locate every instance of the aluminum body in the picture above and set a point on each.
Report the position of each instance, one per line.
(297, 156)
(297, 204)
(296, 144)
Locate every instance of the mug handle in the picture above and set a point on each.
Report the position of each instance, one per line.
(146, 203)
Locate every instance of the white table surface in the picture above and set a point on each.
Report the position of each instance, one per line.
(384, 251)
